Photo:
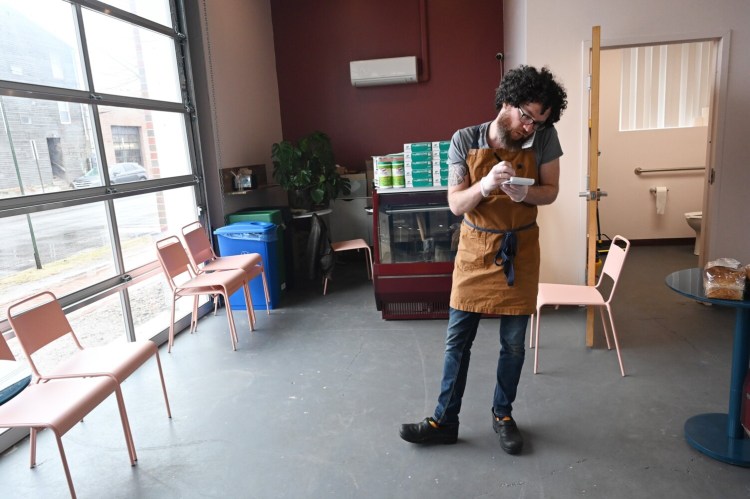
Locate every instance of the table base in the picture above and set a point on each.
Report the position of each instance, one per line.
(708, 434)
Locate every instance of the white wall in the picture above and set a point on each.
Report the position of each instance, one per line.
(554, 33)
(237, 91)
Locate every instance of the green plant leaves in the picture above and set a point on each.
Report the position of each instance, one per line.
(309, 165)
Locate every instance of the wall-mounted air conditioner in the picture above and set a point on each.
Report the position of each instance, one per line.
(392, 71)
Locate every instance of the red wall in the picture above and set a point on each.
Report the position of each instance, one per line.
(315, 40)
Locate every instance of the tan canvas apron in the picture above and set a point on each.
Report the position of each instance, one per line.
(479, 285)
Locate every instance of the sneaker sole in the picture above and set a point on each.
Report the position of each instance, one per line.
(511, 450)
(445, 440)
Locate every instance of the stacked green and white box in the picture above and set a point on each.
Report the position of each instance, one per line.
(418, 164)
(440, 162)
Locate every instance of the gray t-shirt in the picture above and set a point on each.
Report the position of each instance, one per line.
(545, 143)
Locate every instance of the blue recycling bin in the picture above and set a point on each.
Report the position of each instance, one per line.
(253, 237)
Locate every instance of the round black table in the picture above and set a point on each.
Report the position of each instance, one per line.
(719, 435)
(14, 377)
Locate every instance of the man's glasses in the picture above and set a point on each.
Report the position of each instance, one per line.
(528, 120)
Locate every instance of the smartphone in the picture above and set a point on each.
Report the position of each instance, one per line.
(519, 181)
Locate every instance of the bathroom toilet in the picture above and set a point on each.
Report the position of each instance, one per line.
(694, 221)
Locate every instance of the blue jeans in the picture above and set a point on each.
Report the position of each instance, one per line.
(462, 329)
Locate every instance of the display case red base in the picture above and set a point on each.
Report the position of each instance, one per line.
(406, 293)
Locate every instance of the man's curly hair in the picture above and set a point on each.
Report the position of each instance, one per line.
(526, 84)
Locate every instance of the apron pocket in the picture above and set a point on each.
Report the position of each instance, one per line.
(474, 249)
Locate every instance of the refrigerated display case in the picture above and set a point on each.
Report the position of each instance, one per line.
(415, 239)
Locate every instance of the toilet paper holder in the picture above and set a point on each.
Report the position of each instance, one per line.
(653, 190)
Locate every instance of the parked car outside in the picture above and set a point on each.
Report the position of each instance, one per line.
(119, 173)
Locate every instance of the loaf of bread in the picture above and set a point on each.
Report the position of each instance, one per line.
(725, 283)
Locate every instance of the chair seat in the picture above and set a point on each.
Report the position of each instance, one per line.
(350, 245)
(58, 404)
(249, 258)
(231, 278)
(117, 359)
(251, 263)
(568, 294)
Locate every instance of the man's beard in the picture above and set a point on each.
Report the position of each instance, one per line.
(504, 129)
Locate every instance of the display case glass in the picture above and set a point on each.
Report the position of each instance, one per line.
(416, 228)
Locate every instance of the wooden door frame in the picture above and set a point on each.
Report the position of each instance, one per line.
(714, 154)
(592, 171)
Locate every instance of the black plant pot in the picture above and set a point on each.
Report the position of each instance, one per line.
(299, 199)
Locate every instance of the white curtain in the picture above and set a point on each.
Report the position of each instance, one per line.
(666, 86)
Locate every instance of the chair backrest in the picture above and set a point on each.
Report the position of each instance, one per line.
(614, 262)
(39, 324)
(5, 352)
(173, 258)
(198, 244)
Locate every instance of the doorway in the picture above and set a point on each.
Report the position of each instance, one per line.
(655, 114)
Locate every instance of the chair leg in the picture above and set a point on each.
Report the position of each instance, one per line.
(265, 291)
(368, 257)
(604, 326)
(32, 444)
(230, 318)
(536, 340)
(170, 343)
(531, 332)
(163, 385)
(65, 464)
(195, 312)
(193, 325)
(614, 337)
(325, 285)
(249, 305)
(125, 425)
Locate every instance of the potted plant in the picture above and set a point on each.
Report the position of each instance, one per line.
(307, 171)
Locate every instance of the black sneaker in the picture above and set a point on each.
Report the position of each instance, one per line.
(429, 432)
(510, 438)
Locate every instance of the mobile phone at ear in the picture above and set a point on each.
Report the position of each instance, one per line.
(519, 181)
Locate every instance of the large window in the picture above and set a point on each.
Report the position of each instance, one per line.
(97, 159)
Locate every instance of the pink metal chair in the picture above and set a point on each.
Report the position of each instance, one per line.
(59, 405)
(39, 320)
(570, 294)
(204, 259)
(184, 282)
(352, 244)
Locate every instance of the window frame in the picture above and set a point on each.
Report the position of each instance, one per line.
(24, 205)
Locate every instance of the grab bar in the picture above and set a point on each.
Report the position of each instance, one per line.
(640, 170)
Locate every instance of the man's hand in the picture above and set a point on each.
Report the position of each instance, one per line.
(516, 193)
(495, 178)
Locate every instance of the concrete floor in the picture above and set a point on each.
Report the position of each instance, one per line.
(311, 403)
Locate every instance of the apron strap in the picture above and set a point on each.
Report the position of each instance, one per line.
(508, 248)
(475, 139)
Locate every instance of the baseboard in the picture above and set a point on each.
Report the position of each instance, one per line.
(672, 241)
